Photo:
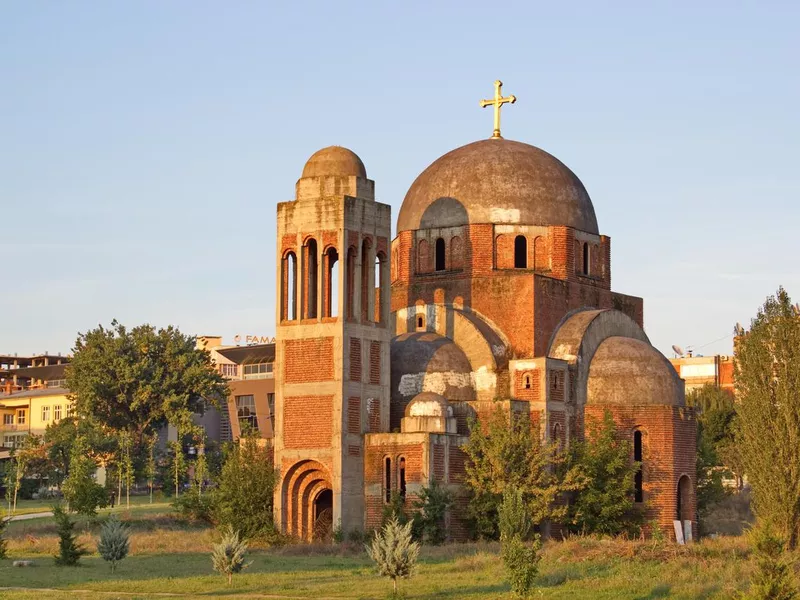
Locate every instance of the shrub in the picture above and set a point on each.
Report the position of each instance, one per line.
(604, 504)
(69, 551)
(520, 556)
(195, 506)
(394, 551)
(3, 548)
(773, 579)
(431, 510)
(243, 499)
(114, 542)
(227, 557)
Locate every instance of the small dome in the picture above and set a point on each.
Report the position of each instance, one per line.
(428, 404)
(626, 371)
(334, 161)
(497, 181)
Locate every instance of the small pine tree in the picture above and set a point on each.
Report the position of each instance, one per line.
(114, 542)
(773, 578)
(520, 556)
(394, 551)
(227, 557)
(3, 549)
(69, 551)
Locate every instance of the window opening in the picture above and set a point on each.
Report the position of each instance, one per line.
(585, 258)
(350, 282)
(388, 479)
(290, 275)
(331, 308)
(527, 382)
(401, 466)
(246, 413)
(520, 252)
(310, 299)
(637, 457)
(439, 254)
(366, 300)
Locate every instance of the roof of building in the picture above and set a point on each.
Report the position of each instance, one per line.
(334, 161)
(247, 355)
(497, 181)
(626, 371)
(35, 393)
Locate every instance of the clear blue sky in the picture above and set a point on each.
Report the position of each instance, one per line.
(144, 145)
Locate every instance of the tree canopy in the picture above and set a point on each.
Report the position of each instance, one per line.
(139, 379)
(767, 378)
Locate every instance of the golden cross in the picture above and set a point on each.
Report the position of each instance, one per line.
(498, 102)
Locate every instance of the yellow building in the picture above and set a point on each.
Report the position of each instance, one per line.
(32, 396)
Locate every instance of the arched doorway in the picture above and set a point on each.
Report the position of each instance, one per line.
(323, 516)
(304, 498)
(684, 500)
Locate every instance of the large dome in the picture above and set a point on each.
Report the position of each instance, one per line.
(630, 372)
(497, 181)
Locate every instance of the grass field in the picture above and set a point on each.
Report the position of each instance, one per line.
(170, 557)
(27, 507)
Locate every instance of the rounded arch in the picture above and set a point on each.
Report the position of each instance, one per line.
(300, 486)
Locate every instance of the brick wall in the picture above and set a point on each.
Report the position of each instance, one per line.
(354, 415)
(355, 359)
(307, 421)
(375, 362)
(308, 360)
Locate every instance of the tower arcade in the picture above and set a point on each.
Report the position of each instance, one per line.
(332, 341)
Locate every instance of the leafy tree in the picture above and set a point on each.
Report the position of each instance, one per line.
(3, 543)
(59, 437)
(30, 458)
(605, 503)
(773, 578)
(177, 465)
(137, 380)
(69, 551)
(114, 541)
(83, 494)
(520, 555)
(767, 377)
(243, 498)
(227, 557)
(394, 551)
(431, 508)
(505, 452)
(151, 465)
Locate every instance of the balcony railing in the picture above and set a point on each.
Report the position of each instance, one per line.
(13, 427)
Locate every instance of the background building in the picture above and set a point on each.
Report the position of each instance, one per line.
(698, 371)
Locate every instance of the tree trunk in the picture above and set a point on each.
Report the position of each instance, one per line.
(230, 578)
(151, 491)
(394, 583)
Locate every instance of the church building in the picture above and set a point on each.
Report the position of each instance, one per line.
(495, 291)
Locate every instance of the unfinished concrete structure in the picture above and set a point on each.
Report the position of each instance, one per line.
(499, 294)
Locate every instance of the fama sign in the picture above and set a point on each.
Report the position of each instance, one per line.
(253, 339)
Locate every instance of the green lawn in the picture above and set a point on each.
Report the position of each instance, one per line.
(171, 557)
(26, 507)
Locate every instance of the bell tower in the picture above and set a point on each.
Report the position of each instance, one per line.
(332, 342)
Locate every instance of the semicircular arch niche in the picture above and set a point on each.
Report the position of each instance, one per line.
(301, 490)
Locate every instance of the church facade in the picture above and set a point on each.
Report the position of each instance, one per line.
(495, 291)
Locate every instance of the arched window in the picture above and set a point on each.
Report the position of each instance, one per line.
(637, 457)
(381, 290)
(330, 307)
(440, 264)
(420, 322)
(310, 280)
(527, 382)
(401, 476)
(350, 283)
(585, 258)
(289, 286)
(367, 288)
(387, 478)
(520, 252)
